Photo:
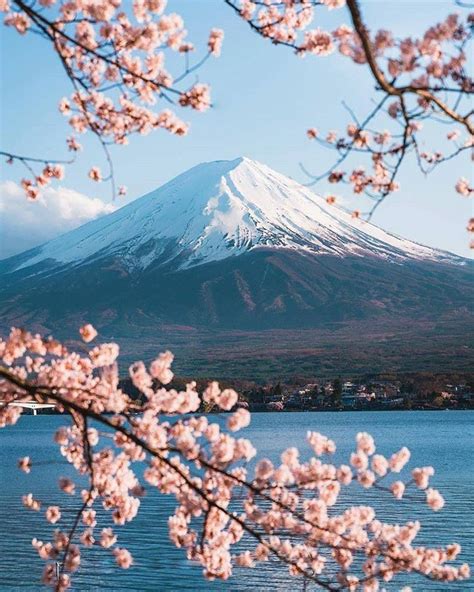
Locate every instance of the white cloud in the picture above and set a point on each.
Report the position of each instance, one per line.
(25, 224)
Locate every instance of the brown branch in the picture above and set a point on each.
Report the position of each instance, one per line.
(46, 393)
(46, 24)
(66, 404)
(385, 85)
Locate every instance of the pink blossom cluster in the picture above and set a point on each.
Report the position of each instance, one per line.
(216, 38)
(198, 97)
(291, 511)
(426, 76)
(463, 187)
(49, 172)
(116, 61)
(383, 150)
(434, 58)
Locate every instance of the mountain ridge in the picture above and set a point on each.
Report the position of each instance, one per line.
(231, 256)
(220, 209)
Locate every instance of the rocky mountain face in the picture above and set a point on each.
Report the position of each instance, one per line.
(233, 246)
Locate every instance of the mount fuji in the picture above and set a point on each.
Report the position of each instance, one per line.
(233, 249)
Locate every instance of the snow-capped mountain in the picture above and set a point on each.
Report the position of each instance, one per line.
(231, 260)
(221, 209)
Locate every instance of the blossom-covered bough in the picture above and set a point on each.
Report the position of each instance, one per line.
(420, 83)
(115, 56)
(291, 512)
(228, 513)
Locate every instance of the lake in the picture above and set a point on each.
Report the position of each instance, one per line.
(444, 439)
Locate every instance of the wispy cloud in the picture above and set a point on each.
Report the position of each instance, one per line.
(25, 224)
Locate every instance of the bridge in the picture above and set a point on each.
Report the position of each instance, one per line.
(33, 405)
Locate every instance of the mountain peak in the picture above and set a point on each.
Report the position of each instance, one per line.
(220, 209)
(222, 167)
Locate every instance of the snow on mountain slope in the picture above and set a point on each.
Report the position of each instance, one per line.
(220, 209)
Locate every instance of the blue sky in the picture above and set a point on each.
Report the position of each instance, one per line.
(264, 99)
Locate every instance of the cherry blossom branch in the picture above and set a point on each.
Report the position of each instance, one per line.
(425, 76)
(116, 68)
(50, 395)
(361, 29)
(205, 468)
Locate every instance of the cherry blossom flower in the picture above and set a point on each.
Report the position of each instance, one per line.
(331, 4)
(366, 478)
(317, 42)
(17, 20)
(421, 476)
(95, 174)
(238, 420)
(107, 538)
(399, 459)
(67, 485)
(198, 97)
(88, 518)
(398, 489)
(104, 354)
(365, 443)
(87, 538)
(24, 464)
(30, 502)
(414, 71)
(114, 91)
(359, 460)
(160, 368)
(204, 467)
(73, 145)
(463, 187)
(53, 514)
(434, 499)
(216, 37)
(320, 444)
(379, 465)
(88, 333)
(123, 558)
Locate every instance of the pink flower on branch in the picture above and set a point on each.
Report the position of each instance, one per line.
(238, 420)
(198, 97)
(66, 485)
(31, 503)
(398, 489)
(115, 89)
(421, 476)
(434, 499)
(214, 43)
(292, 510)
(161, 368)
(107, 538)
(422, 78)
(123, 558)
(24, 464)
(95, 174)
(464, 188)
(53, 514)
(88, 333)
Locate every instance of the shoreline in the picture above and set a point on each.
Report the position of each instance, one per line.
(302, 411)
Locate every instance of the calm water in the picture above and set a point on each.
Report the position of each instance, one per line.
(444, 439)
